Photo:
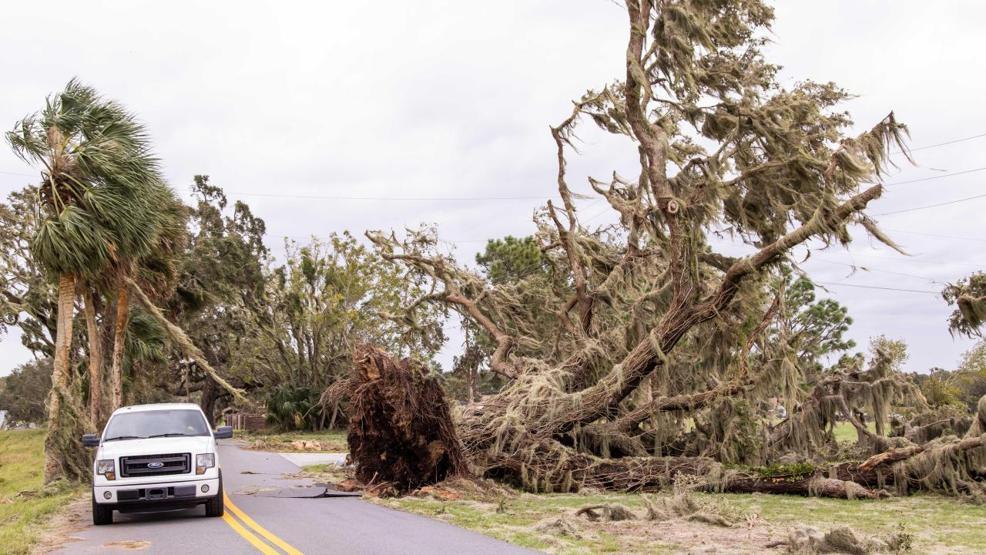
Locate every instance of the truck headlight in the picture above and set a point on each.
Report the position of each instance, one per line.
(204, 461)
(106, 468)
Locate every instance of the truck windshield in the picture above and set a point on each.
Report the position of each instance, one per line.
(156, 423)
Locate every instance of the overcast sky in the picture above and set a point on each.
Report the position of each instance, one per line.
(439, 99)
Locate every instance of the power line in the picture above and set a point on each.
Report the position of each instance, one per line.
(875, 270)
(952, 142)
(959, 237)
(927, 206)
(942, 176)
(341, 197)
(836, 284)
(541, 197)
(505, 198)
(605, 209)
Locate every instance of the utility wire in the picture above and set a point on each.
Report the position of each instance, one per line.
(942, 176)
(540, 197)
(836, 284)
(600, 213)
(864, 268)
(959, 237)
(507, 198)
(339, 197)
(927, 206)
(952, 142)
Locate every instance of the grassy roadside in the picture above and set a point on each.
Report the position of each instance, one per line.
(933, 524)
(25, 505)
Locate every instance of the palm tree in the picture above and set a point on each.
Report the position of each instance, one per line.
(99, 185)
(153, 270)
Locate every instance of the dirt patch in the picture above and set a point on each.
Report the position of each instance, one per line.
(71, 519)
(325, 442)
(307, 445)
(693, 536)
(682, 522)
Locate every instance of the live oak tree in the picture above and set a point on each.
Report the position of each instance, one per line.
(652, 327)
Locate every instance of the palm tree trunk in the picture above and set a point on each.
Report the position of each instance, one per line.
(119, 335)
(95, 360)
(54, 458)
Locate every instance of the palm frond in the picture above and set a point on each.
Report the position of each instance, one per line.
(104, 200)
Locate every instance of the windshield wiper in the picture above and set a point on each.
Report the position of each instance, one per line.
(172, 434)
(124, 437)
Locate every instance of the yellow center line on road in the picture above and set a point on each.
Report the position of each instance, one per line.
(254, 540)
(271, 537)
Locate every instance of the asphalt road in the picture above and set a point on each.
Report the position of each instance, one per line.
(261, 522)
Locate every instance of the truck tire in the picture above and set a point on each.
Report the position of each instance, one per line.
(101, 514)
(214, 507)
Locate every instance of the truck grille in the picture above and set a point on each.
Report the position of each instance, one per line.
(155, 465)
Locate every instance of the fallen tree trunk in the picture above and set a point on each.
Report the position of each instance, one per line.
(817, 486)
(402, 433)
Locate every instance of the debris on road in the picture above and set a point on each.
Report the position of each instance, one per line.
(307, 492)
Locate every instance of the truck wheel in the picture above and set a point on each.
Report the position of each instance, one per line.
(100, 514)
(214, 507)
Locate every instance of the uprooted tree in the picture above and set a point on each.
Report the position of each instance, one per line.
(645, 352)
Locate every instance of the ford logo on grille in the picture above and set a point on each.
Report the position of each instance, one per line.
(155, 465)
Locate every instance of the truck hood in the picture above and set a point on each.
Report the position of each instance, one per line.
(156, 446)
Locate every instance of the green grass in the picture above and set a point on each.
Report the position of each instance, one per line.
(328, 473)
(846, 432)
(938, 524)
(331, 441)
(25, 506)
(935, 521)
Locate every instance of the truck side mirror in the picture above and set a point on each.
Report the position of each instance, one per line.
(90, 440)
(223, 432)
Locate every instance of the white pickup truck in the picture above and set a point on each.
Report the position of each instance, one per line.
(156, 457)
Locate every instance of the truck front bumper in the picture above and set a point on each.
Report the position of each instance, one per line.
(162, 495)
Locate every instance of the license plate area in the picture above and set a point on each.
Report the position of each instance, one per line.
(157, 494)
(154, 494)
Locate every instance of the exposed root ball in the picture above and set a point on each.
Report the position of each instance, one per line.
(400, 429)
